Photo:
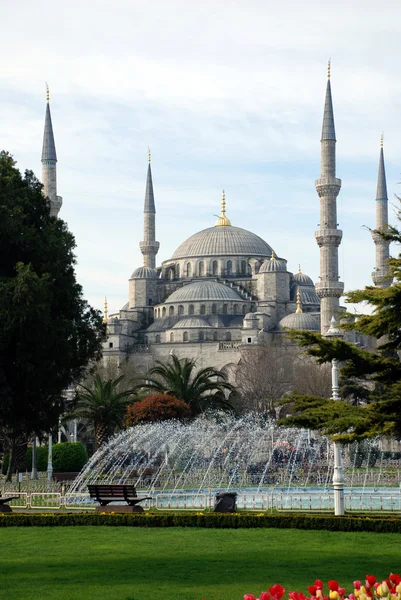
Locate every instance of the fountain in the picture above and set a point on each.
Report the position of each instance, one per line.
(268, 466)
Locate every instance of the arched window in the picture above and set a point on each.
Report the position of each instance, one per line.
(215, 336)
(191, 309)
(185, 336)
(243, 267)
(146, 339)
(203, 309)
(201, 268)
(189, 270)
(180, 309)
(157, 339)
(235, 309)
(171, 273)
(229, 267)
(215, 267)
(201, 336)
(171, 311)
(225, 309)
(228, 336)
(214, 309)
(164, 311)
(171, 337)
(244, 310)
(177, 270)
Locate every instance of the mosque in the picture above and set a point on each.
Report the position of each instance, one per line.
(225, 290)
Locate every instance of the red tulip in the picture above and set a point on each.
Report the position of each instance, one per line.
(341, 591)
(249, 597)
(277, 591)
(333, 585)
(394, 578)
(370, 580)
(318, 584)
(264, 596)
(351, 597)
(357, 584)
(312, 590)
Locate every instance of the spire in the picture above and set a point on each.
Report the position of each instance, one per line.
(381, 193)
(328, 130)
(299, 305)
(49, 147)
(273, 256)
(149, 197)
(106, 310)
(299, 270)
(223, 221)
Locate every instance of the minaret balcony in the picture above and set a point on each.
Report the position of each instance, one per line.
(149, 247)
(328, 237)
(329, 289)
(328, 186)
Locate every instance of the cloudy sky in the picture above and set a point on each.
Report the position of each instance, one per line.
(227, 94)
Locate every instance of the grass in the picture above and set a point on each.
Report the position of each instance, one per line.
(122, 563)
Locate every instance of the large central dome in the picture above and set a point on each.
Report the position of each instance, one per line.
(223, 241)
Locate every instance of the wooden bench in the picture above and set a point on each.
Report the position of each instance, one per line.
(107, 493)
(3, 506)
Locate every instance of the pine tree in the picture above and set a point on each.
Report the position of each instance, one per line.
(374, 378)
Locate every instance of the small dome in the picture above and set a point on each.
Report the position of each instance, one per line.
(273, 265)
(144, 273)
(191, 323)
(203, 290)
(302, 321)
(302, 279)
(250, 316)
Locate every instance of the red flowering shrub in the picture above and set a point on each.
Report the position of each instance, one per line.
(157, 407)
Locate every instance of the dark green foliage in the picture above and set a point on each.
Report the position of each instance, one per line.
(201, 390)
(69, 458)
(377, 524)
(371, 381)
(42, 455)
(48, 332)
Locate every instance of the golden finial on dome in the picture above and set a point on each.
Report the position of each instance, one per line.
(148, 155)
(273, 256)
(299, 270)
(106, 310)
(223, 221)
(381, 140)
(299, 305)
(328, 68)
(47, 93)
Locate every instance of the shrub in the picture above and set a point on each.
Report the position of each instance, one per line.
(69, 457)
(157, 407)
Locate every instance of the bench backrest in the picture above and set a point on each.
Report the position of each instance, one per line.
(118, 491)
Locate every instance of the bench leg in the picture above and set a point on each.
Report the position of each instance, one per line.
(4, 508)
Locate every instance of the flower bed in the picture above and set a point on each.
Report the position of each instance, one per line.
(388, 589)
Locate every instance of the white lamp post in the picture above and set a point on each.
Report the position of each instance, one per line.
(338, 476)
(50, 458)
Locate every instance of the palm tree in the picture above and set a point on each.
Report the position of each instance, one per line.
(103, 406)
(199, 389)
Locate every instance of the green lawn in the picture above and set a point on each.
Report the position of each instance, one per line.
(122, 563)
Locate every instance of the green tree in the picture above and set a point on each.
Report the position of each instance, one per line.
(201, 390)
(48, 332)
(371, 379)
(103, 406)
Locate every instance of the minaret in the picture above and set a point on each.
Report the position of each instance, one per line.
(328, 238)
(49, 162)
(149, 247)
(382, 246)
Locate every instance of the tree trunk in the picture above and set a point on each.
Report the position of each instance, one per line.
(102, 434)
(11, 461)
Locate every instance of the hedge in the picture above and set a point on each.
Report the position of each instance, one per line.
(378, 524)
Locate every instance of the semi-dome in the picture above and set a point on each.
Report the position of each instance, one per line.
(302, 321)
(223, 241)
(191, 323)
(144, 273)
(273, 265)
(203, 290)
